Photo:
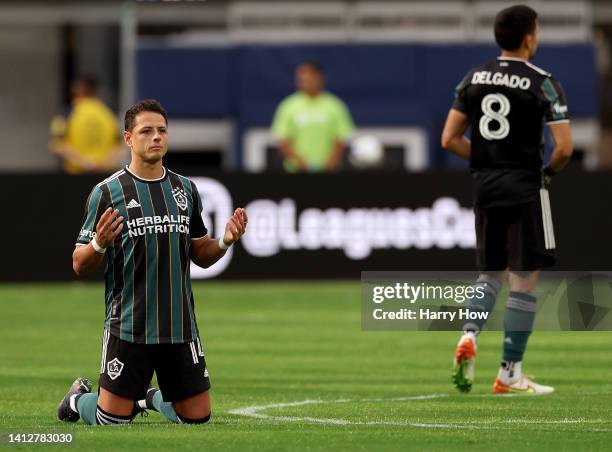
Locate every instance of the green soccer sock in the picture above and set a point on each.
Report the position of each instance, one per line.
(518, 324)
(164, 408)
(487, 288)
(86, 405)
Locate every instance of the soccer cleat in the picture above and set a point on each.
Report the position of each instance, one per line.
(64, 412)
(524, 385)
(464, 363)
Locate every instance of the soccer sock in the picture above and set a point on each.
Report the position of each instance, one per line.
(489, 288)
(510, 371)
(165, 408)
(105, 418)
(518, 324)
(85, 405)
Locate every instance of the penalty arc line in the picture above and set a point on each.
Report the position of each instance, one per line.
(255, 412)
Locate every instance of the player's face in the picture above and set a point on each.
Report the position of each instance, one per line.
(308, 79)
(148, 140)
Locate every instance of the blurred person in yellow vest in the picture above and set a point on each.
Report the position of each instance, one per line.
(312, 125)
(87, 138)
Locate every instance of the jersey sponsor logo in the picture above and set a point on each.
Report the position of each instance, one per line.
(132, 204)
(180, 198)
(158, 224)
(114, 368)
(560, 109)
(500, 79)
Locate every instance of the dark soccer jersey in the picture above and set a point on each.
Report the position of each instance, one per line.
(148, 286)
(507, 102)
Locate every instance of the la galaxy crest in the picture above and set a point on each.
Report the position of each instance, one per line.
(180, 197)
(114, 368)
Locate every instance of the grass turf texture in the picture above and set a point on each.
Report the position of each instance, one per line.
(271, 343)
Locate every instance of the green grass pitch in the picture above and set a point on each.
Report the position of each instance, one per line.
(292, 370)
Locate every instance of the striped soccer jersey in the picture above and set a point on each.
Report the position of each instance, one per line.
(148, 293)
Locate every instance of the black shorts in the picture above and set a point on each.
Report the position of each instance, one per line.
(518, 237)
(127, 368)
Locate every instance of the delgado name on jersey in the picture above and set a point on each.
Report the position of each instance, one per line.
(500, 78)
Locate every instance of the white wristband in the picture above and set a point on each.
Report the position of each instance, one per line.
(222, 244)
(97, 247)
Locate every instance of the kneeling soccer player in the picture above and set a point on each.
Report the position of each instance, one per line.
(147, 221)
(506, 102)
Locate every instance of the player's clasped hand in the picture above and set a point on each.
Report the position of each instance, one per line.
(236, 226)
(109, 227)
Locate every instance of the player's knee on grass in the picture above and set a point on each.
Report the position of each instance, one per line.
(186, 420)
(196, 407)
(198, 416)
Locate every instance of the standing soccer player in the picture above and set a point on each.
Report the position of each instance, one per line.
(505, 103)
(146, 220)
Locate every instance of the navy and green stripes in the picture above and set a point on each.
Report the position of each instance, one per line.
(557, 108)
(177, 294)
(148, 288)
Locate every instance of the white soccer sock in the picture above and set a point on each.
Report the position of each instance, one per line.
(471, 334)
(142, 404)
(510, 372)
(73, 406)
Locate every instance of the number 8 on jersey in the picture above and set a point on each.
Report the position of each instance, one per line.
(490, 115)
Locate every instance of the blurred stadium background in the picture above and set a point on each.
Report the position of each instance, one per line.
(221, 68)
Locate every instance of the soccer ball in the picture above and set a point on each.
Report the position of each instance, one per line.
(366, 152)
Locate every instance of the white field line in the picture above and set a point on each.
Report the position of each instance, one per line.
(255, 412)
(558, 421)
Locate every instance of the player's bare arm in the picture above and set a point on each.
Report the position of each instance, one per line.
(562, 152)
(453, 138)
(86, 259)
(206, 251)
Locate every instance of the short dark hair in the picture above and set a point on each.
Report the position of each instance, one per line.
(513, 24)
(144, 105)
(315, 65)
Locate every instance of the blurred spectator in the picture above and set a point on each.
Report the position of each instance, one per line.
(312, 125)
(87, 138)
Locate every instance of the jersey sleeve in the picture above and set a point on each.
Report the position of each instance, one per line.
(555, 101)
(197, 229)
(94, 208)
(460, 102)
(281, 124)
(345, 124)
